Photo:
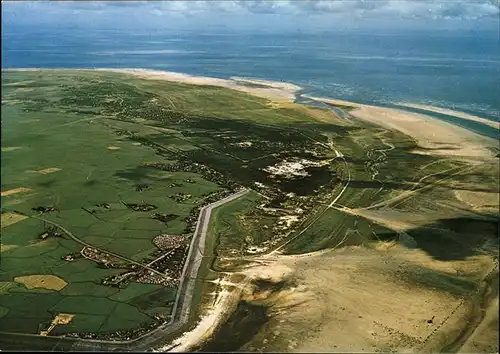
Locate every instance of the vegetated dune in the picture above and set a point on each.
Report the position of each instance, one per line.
(434, 136)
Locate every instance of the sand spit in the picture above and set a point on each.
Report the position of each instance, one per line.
(434, 136)
(278, 91)
(450, 112)
(275, 90)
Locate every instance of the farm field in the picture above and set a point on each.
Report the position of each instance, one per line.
(97, 165)
(104, 175)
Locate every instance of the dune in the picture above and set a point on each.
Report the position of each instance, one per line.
(349, 300)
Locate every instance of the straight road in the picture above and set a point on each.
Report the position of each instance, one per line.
(178, 319)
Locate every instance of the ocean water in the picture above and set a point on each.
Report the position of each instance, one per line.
(457, 70)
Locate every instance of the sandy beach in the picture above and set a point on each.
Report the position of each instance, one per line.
(434, 136)
(224, 304)
(384, 297)
(349, 300)
(274, 90)
(450, 112)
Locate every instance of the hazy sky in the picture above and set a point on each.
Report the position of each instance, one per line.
(257, 14)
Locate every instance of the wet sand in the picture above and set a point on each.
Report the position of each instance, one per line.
(450, 112)
(433, 136)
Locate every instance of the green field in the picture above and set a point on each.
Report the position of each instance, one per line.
(94, 144)
(79, 140)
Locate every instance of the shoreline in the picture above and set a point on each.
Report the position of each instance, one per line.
(450, 112)
(274, 90)
(429, 132)
(434, 136)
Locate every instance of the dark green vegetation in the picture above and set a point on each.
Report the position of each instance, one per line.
(381, 171)
(116, 161)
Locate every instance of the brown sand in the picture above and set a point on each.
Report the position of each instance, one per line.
(479, 200)
(60, 319)
(456, 114)
(113, 148)
(485, 338)
(326, 116)
(365, 300)
(275, 90)
(387, 298)
(434, 136)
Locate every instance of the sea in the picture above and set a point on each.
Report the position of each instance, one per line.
(458, 70)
